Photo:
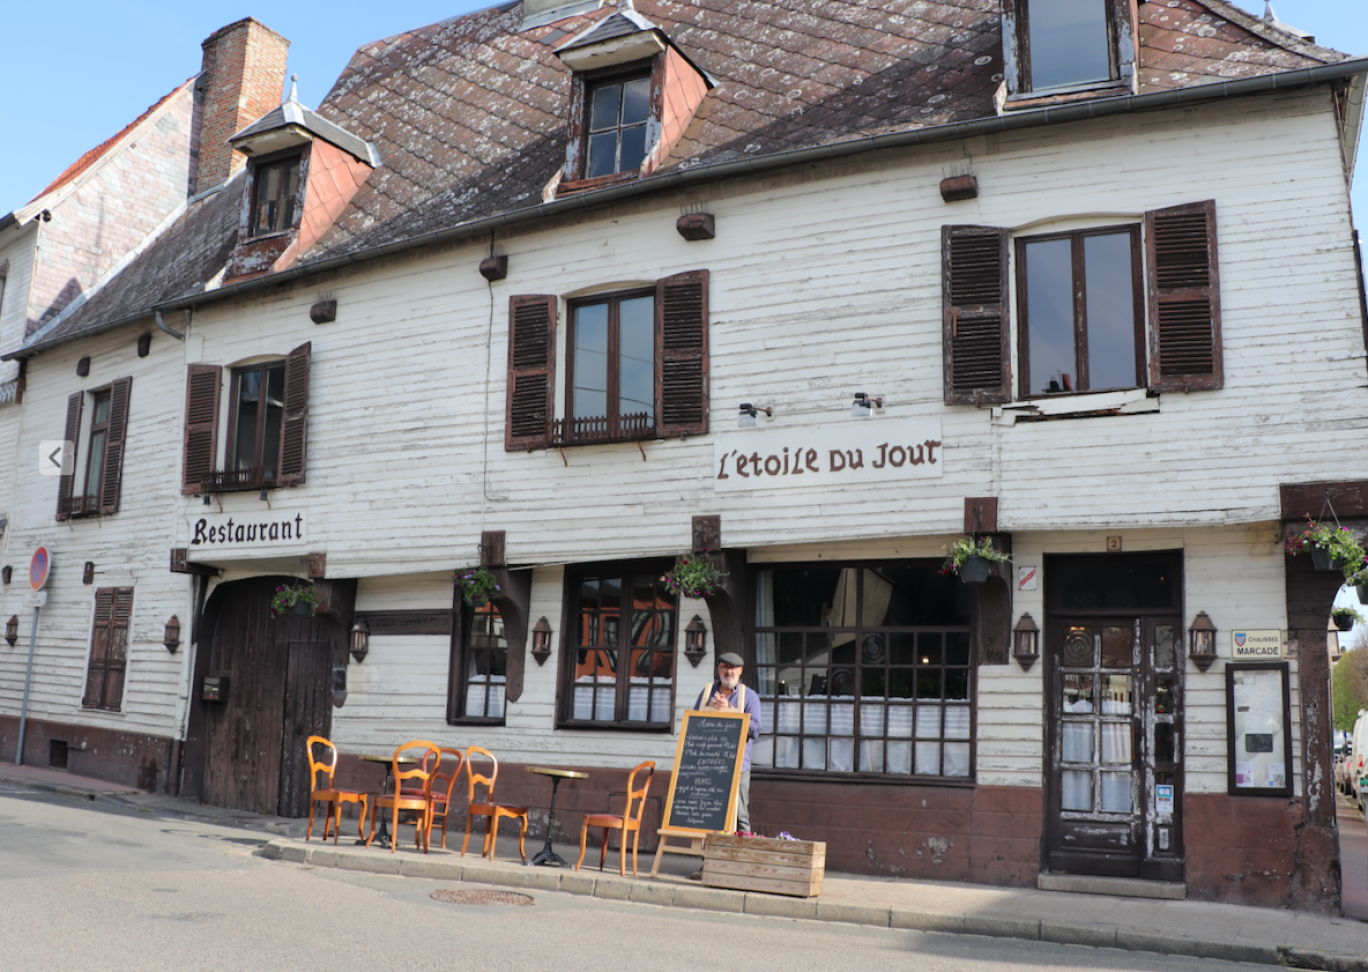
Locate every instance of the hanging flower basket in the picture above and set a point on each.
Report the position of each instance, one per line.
(1321, 560)
(972, 558)
(693, 575)
(1332, 547)
(1344, 618)
(300, 599)
(1362, 591)
(477, 586)
(975, 570)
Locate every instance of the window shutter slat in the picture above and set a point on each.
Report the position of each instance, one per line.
(99, 648)
(201, 424)
(75, 403)
(116, 657)
(975, 339)
(1184, 298)
(682, 354)
(531, 371)
(294, 431)
(119, 394)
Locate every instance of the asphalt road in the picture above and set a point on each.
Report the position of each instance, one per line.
(82, 888)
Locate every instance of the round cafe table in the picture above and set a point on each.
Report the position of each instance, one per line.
(388, 762)
(546, 855)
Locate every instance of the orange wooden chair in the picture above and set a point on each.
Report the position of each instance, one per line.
(444, 790)
(412, 791)
(628, 823)
(487, 808)
(324, 791)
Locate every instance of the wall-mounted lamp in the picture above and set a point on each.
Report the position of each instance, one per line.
(12, 629)
(88, 574)
(171, 637)
(1026, 642)
(144, 345)
(6, 574)
(360, 639)
(695, 641)
(745, 418)
(541, 641)
(1202, 641)
(864, 404)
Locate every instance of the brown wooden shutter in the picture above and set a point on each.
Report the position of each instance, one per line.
(119, 394)
(1184, 298)
(73, 431)
(109, 648)
(531, 371)
(975, 340)
(682, 354)
(201, 424)
(294, 432)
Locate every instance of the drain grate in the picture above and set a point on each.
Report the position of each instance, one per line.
(484, 897)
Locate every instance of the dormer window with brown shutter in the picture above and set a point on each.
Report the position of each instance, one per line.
(96, 427)
(1065, 50)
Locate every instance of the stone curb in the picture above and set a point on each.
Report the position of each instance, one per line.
(613, 888)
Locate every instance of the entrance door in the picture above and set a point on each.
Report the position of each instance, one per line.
(1114, 730)
(278, 672)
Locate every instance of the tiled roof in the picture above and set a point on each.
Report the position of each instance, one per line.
(469, 115)
(87, 160)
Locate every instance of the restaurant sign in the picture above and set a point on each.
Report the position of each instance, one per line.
(860, 451)
(273, 528)
(1262, 645)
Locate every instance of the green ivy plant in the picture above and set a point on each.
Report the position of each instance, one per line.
(969, 546)
(693, 575)
(287, 596)
(477, 585)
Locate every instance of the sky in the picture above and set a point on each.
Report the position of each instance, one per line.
(76, 72)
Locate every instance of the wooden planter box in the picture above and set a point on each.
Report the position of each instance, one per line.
(764, 864)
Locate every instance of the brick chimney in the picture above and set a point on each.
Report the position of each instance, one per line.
(242, 78)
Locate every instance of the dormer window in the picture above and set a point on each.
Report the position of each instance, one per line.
(619, 110)
(1068, 49)
(275, 192)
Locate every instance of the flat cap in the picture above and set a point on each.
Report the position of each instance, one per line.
(731, 658)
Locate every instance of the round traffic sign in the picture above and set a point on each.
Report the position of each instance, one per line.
(39, 567)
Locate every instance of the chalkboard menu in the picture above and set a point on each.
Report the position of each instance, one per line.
(702, 796)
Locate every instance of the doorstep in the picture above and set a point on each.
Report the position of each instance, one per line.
(1121, 887)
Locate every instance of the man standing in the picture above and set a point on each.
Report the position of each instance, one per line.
(728, 693)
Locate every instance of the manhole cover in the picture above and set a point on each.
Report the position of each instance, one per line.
(484, 897)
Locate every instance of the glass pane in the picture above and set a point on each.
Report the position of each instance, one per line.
(762, 752)
(765, 645)
(956, 759)
(289, 191)
(928, 758)
(1078, 647)
(589, 589)
(1111, 310)
(814, 753)
(1077, 790)
(1163, 695)
(1163, 742)
(957, 722)
(591, 361)
(1049, 309)
(801, 597)
(766, 686)
(633, 148)
(97, 445)
(602, 154)
(1078, 742)
(1068, 41)
(790, 647)
(1163, 646)
(871, 756)
(275, 413)
(636, 361)
(928, 683)
(957, 683)
(957, 648)
(244, 444)
(1116, 647)
(902, 648)
(928, 721)
(1116, 793)
(1089, 584)
(899, 757)
(636, 101)
(101, 410)
(605, 107)
(900, 721)
(1116, 694)
(929, 649)
(873, 682)
(1116, 742)
(920, 596)
(1078, 693)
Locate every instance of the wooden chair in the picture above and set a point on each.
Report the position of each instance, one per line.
(487, 808)
(629, 822)
(325, 792)
(412, 791)
(444, 790)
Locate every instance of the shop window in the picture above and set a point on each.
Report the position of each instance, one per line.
(94, 484)
(619, 668)
(864, 669)
(108, 648)
(482, 664)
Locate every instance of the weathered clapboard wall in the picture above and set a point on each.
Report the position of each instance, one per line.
(823, 281)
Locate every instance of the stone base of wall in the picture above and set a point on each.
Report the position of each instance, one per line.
(127, 758)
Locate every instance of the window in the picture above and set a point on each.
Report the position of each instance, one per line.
(616, 133)
(1081, 323)
(275, 192)
(620, 664)
(638, 366)
(96, 489)
(485, 666)
(258, 410)
(864, 669)
(612, 368)
(1054, 47)
(108, 648)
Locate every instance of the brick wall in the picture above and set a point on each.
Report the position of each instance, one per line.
(243, 77)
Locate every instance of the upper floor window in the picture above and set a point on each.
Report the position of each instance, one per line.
(256, 418)
(97, 436)
(1063, 46)
(275, 192)
(612, 368)
(616, 133)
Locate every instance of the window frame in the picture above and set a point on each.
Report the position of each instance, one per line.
(593, 81)
(1082, 383)
(753, 677)
(463, 648)
(89, 500)
(1122, 32)
(292, 157)
(629, 571)
(612, 430)
(230, 446)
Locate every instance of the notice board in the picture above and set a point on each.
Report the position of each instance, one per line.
(702, 797)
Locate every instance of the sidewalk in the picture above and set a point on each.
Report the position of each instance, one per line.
(1191, 928)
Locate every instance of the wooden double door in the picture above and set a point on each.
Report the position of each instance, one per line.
(279, 678)
(1114, 726)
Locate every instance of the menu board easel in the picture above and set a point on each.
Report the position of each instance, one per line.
(707, 769)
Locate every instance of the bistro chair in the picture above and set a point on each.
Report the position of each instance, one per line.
(412, 791)
(487, 808)
(444, 790)
(323, 791)
(629, 822)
